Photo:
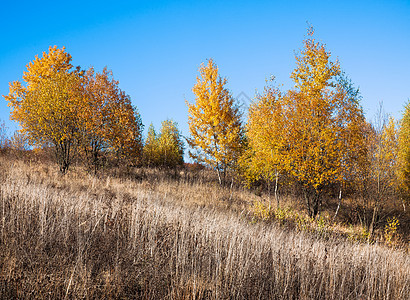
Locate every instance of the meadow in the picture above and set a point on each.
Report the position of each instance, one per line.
(151, 235)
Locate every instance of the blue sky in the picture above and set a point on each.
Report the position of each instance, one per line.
(155, 48)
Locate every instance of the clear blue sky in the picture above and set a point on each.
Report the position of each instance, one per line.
(154, 48)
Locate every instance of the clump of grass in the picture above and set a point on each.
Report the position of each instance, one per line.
(358, 234)
(79, 236)
(324, 225)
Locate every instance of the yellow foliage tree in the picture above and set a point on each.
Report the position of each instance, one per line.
(378, 176)
(109, 122)
(165, 149)
(262, 158)
(125, 130)
(214, 122)
(404, 156)
(151, 148)
(325, 125)
(385, 150)
(171, 146)
(47, 106)
(313, 133)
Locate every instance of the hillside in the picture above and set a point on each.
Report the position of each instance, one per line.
(82, 236)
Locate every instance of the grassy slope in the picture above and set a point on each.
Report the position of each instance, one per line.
(78, 236)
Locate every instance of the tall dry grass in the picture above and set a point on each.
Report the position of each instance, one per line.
(78, 236)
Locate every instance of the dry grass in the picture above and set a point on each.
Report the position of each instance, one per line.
(79, 236)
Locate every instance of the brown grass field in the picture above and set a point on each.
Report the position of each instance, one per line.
(147, 237)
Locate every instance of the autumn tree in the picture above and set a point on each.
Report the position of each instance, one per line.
(404, 156)
(325, 125)
(383, 151)
(47, 105)
(151, 148)
(214, 122)
(166, 149)
(110, 124)
(171, 145)
(311, 133)
(125, 131)
(262, 157)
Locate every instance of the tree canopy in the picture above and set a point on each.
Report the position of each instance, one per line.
(214, 122)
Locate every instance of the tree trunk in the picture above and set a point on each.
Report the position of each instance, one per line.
(270, 201)
(313, 202)
(371, 227)
(316, 205)
(62, 152)
(338, 204)
(231, 194)
(276, 188)
(219, 175)
(307, 202)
